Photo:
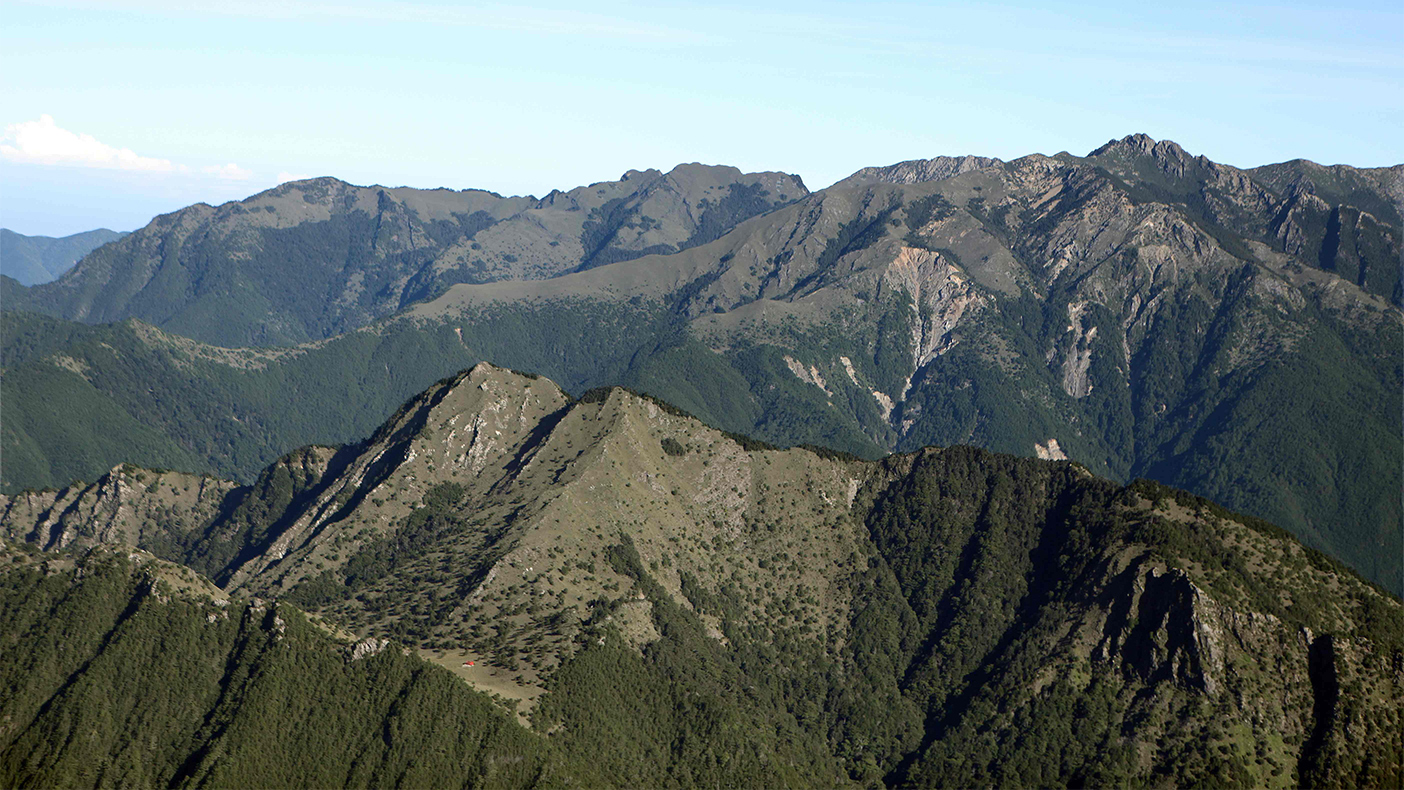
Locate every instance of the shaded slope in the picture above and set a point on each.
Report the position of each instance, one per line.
(224, 693)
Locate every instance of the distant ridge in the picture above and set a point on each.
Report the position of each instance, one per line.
(916, 171)
(33, 260)
(311, 259)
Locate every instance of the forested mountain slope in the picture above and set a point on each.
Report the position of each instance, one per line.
(311, 259)
(943, 618)
(121, 670)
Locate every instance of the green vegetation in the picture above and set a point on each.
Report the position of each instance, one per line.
(687, 708)
(110, 678)
(675, 605)
(1178, 420)
(264, 271)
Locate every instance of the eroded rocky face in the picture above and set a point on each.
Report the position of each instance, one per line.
(1108, 242)
(127, 506)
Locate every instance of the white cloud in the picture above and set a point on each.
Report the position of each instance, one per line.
(229, 172)
(284, 177)
(45, 142)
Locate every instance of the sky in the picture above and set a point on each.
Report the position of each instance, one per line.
(113, 112)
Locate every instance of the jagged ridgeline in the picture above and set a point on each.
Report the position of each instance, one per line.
(1142, 311)
(664, 603)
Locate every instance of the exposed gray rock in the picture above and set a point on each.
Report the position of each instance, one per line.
(916, 171)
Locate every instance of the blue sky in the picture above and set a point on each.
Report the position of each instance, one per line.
(115, 111)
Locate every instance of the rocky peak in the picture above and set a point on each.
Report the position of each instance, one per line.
(916, 171)
(647, 176)
(1141, 144)
(558, 199)
(484, 389)
(1167, 155)
(466, 430)
(1139, 141)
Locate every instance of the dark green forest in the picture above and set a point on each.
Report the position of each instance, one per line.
(109, 677)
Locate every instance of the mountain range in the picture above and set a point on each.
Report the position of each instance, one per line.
(1143, 311)
(663, 603)
(311, 259)
(1059, 471)
(32, 260)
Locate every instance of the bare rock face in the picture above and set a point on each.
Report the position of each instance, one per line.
(1049, 451)
(127, 506)
(1163, 628)
(369, 646)
(1195, 652)
(1078, 357)
(1299, 212)
(940, 296)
